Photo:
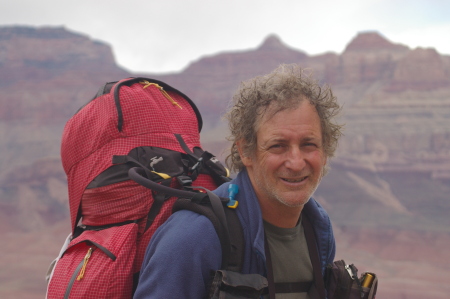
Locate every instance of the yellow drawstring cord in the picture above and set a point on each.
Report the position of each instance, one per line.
(163, 175)
(147, 84)
(83, 269)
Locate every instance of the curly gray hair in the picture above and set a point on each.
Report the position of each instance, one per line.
(284, 88)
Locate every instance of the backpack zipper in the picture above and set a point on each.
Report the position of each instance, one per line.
(147, 84)
(85, 261)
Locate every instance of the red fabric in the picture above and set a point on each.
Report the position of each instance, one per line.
(115, 203)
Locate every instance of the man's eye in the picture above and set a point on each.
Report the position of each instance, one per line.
(274, 146)
(277, 148)
(310, 144)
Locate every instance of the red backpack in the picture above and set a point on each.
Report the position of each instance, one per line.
(134, 122)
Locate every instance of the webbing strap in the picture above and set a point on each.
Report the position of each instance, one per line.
(158, 201)
(314, 256)
(270, 278)
(184, 145)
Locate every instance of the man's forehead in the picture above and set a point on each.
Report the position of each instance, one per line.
(267, 113)
(288, 119)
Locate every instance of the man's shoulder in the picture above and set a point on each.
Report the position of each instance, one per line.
(315, 209)
(181, 217)
(186, 227)
(222, 190)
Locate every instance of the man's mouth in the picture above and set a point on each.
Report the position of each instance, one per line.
(295, 180)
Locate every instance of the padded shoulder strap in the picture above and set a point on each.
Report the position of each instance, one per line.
(231, 237)
(236, 259)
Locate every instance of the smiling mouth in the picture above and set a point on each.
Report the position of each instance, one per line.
(295, 180)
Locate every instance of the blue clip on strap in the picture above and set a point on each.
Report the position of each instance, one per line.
(232, 191)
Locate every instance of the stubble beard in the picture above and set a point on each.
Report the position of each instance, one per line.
(272, 193)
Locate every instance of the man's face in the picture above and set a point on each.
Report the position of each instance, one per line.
(289, 159)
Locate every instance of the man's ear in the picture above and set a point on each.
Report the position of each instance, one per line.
(246, 160)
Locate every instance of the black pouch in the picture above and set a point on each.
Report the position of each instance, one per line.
(342, 282)
(234, 285)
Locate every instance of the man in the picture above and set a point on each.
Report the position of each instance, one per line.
(282, 133)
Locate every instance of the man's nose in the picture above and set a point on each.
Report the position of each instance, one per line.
(295, 159)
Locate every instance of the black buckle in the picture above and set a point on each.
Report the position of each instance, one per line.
(184, 180)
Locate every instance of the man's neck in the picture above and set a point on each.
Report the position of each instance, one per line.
(281, 215)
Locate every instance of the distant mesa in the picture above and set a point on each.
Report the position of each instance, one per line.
(272, 42)
(43, 53)
(372, 41)
(46, 32)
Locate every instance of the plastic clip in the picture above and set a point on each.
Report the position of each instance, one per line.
(232, 191)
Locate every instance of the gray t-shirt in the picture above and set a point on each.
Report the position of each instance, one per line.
(290, 257)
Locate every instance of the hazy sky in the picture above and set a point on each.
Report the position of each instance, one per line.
(166, 35)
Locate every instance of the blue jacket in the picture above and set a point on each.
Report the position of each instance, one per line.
(186, 249)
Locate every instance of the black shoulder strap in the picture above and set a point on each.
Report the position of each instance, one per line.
(158, 201)
(236, 259)
(314, 256)
(231, 237)
(270, 277)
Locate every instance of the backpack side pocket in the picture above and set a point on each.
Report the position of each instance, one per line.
(342, 282)
(96, 264)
